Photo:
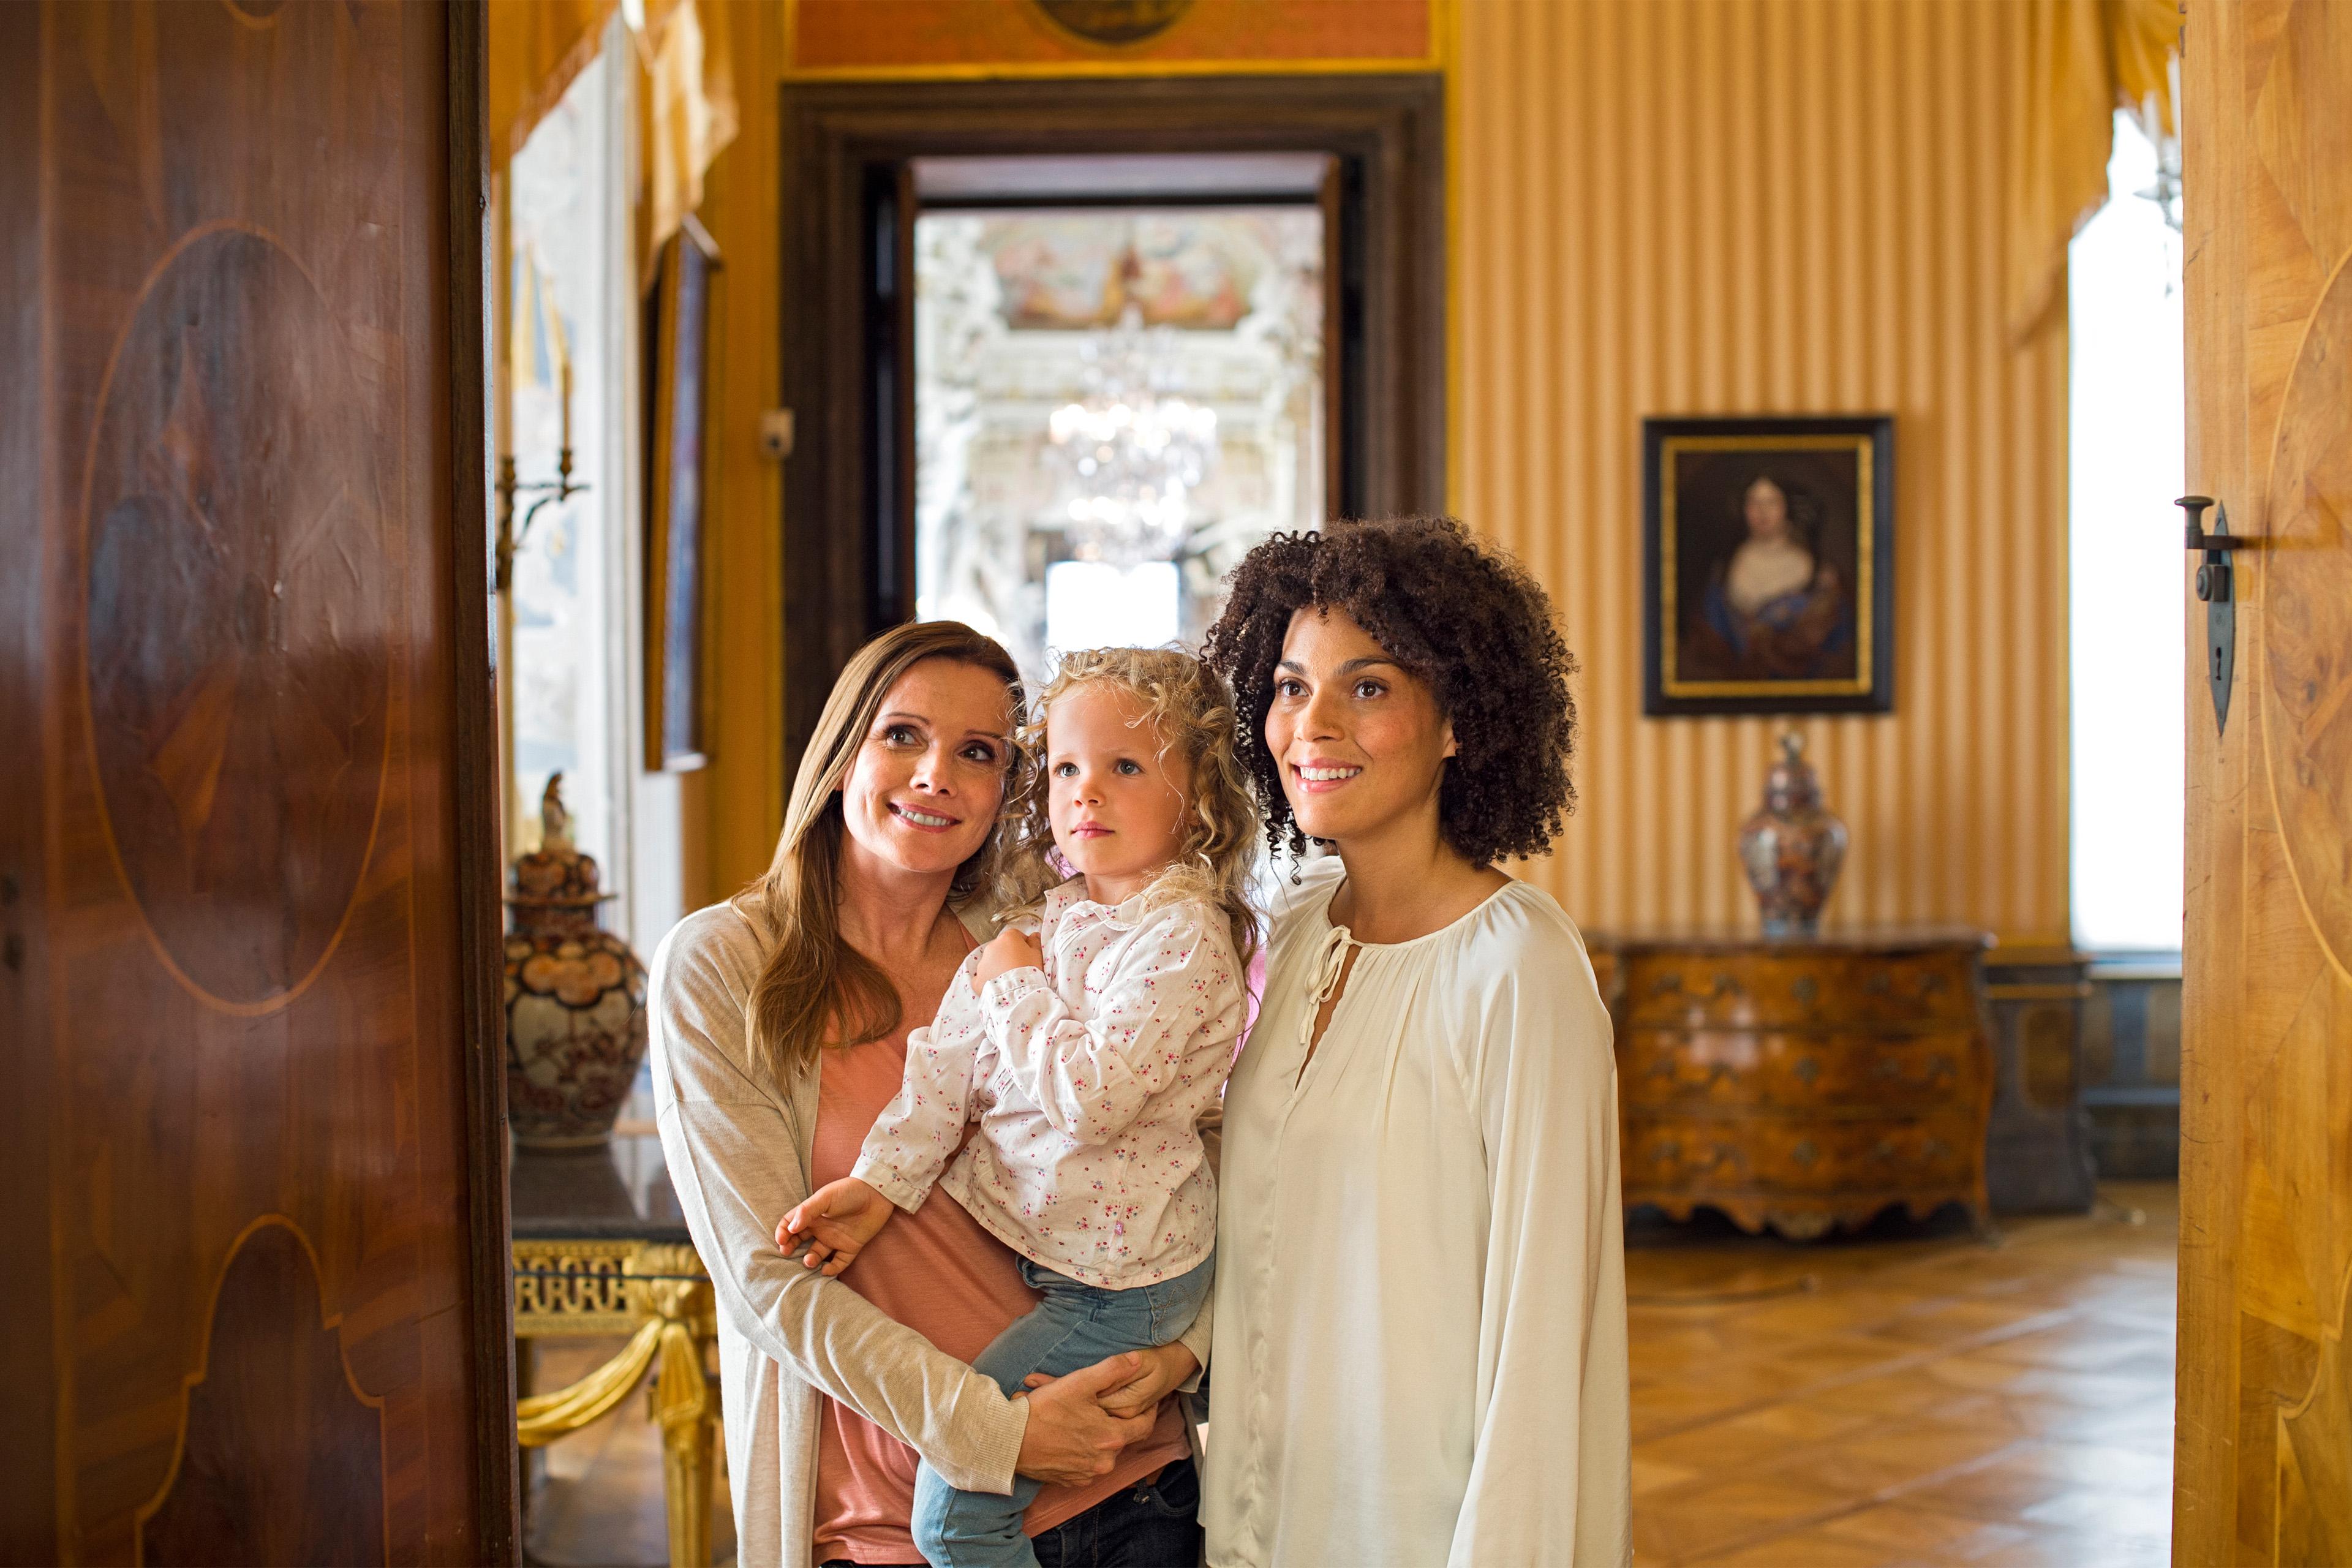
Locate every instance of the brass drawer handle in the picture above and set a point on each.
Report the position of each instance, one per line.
(1720, 984)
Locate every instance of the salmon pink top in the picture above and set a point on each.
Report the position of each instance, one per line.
(939, 1272)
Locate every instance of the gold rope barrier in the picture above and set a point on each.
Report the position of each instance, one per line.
(544, 1417)
(676, 1307)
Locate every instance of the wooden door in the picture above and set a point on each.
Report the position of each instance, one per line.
(255, 1217)
(2263, 1463)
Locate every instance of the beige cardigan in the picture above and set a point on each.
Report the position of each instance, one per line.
(738, 1155)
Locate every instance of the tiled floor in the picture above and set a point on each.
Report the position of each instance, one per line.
(1906, 1399)
(1914, 1400)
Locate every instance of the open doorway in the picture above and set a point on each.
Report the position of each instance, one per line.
(1114, 399)
(1253, 268)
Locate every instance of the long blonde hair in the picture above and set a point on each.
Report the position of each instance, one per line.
(815, 989)
(1189, 708)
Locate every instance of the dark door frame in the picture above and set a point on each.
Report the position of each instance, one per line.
(847, 149)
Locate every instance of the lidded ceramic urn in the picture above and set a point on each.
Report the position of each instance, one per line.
(575, 996)
(1792, 848)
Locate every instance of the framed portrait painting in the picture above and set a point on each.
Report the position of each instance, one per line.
(1769, 565)
(681, 337)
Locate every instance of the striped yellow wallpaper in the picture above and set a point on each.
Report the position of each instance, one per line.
(1718, 206)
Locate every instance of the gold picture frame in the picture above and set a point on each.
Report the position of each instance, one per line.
(1768, 554)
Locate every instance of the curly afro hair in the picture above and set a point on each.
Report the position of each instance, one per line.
(1463, 616)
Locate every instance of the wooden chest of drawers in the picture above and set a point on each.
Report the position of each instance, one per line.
(1801, 1083)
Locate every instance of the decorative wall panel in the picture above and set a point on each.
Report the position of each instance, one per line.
(1749, 207)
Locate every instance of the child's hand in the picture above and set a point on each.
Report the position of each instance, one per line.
(837, 1221)
(1010, 951)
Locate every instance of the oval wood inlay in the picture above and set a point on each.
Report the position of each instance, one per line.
(2307, 625)
(239, 617)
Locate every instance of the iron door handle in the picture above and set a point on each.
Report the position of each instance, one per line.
(2217, 589)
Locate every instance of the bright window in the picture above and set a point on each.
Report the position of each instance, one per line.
(2126, 604)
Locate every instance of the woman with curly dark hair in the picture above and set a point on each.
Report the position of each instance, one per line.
(1421, 1290)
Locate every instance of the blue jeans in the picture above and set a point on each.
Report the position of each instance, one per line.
(1151, 1525)
(1072, 1326)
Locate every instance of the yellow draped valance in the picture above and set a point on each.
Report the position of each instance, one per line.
(2084, 60)
(686, 96)
(686, 86)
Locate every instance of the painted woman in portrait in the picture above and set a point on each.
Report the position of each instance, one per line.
(1774, 608)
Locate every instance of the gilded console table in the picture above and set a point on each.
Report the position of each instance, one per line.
(599, 1249)
(1801, 1083)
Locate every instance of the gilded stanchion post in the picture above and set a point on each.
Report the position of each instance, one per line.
(682, 1398)
(658, 1294)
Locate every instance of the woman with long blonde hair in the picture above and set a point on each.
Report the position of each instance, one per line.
(1066, 1094)
(778, 1034)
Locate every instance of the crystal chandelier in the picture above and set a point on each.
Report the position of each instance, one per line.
(1129, 456)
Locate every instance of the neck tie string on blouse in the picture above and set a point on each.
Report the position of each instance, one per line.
(1330, 963)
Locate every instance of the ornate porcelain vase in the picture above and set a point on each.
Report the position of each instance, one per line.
(1792, 848)
(575, 996)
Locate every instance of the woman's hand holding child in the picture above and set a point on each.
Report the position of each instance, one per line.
(1161, 1371)
(837, 1221)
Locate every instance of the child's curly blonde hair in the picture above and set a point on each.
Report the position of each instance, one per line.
(1186, 703)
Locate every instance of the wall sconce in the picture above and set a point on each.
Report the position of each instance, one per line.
(510, 538)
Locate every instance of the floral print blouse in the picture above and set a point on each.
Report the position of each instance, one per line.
(1090, 1079)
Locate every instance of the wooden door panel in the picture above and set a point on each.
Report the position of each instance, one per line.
(272, 1214)
(2266, 1392)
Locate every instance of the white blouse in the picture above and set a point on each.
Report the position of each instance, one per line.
(1421, 1285)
